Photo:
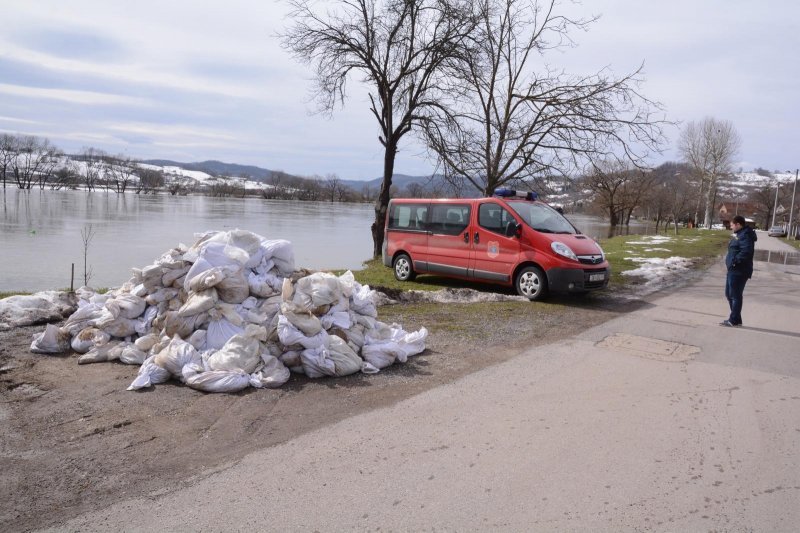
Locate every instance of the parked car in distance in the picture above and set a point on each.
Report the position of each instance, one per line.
(777, 231)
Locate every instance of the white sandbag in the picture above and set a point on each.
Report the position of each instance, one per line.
(145, 322)
(362, 301)
(109, 351)
(337, 319)
(347, 283)
(146, 342)
(219, 381)
(289, 335)
(220, 331)
(170, 276)
(177, 354)
(126, 306)
(316, 363)
(198, 339)
(345, 360)
(161, 295)
(381, 355)
(281, 253)
(51, 340)
(86, 316)
(151, 277)
(264, 285)
(131, 355)
(316, 290)
(291, 359)
(119, 327)
(301, 318)
(239, 353)
(88, 338)
(272, 375)
(149, 374)
(234, 288)
(202, 276)
(199, 302)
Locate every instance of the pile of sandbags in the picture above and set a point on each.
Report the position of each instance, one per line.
(231, 312)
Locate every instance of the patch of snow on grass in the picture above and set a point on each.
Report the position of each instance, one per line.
(652, 239)
(657, 270)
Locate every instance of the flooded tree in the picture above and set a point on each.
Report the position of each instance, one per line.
(399, 49)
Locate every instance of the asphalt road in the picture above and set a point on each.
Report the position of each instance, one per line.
(660, 420)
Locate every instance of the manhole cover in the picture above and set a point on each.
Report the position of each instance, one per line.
(650, 348)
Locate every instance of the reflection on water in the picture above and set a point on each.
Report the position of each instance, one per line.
(780, 258)
(40, 232)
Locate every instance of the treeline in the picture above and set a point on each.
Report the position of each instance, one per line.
(29, 162)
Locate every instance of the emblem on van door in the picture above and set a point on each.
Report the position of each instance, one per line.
(493, 249)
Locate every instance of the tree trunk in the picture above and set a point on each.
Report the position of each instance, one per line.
(382, 203)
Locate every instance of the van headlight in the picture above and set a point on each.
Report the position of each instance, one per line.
(562, 249)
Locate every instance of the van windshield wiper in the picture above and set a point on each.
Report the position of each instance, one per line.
(544, 230)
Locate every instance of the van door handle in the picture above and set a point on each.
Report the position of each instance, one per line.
(477, 238)
(466, 237)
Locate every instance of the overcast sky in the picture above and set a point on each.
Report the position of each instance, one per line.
(195, 80)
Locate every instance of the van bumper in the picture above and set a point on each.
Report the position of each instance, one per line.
(577, 279)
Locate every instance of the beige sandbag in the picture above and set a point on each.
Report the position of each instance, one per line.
(100, 354)
(239, 353)
(233, 289)
(301, 318)
(177, 354)
(88, 338)
(51, 340)
(199, 302)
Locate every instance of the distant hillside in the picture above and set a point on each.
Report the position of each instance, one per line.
(217, 168)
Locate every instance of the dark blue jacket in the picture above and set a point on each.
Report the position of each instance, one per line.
(740, 251)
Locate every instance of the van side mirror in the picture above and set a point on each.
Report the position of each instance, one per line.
(513, 229)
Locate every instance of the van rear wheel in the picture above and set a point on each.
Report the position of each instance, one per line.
(531, 283)
(403, 268)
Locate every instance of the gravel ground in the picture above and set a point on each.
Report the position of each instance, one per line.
(74, 440)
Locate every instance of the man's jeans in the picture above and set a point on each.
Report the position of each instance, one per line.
(734, 292)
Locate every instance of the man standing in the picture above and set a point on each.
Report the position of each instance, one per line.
(740, 268)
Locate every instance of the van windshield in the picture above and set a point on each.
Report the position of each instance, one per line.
(542, 217)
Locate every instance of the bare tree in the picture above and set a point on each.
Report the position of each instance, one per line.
(93, 166)
(400, 47)
(120, 173)
(8, 153)
(35, 160)
(87, 235)
(507, 123)
(150, 180)
(709, 147)
(333, 187)
(607, 182)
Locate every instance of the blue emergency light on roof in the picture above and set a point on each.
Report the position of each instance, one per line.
(527, 195)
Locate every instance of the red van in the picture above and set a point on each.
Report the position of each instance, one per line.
(510, 239)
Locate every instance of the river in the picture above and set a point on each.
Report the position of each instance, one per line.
(41, 232)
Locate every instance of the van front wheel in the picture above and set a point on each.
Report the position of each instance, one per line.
(531, 283)
(403, 268)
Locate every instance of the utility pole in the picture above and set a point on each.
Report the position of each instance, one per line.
(789, 232)
(775, 207)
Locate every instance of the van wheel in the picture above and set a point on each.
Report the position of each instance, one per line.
(531, 283)
(403, 269)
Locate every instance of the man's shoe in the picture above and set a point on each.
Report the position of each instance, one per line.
(727, 324)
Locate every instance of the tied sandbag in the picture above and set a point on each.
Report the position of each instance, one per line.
(89, 338)
(219, 381)
(126, 306)
(199, 302)
(176, 355)
(317, 290)
(301, 318)
(234, 288)
(239, 353)
(149, 374)
(272, 375)
(51, 340)
(131, 355)
(110, 351)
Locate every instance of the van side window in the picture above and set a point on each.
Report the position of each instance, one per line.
(449, 219)
(408, 216)
(494, 217)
